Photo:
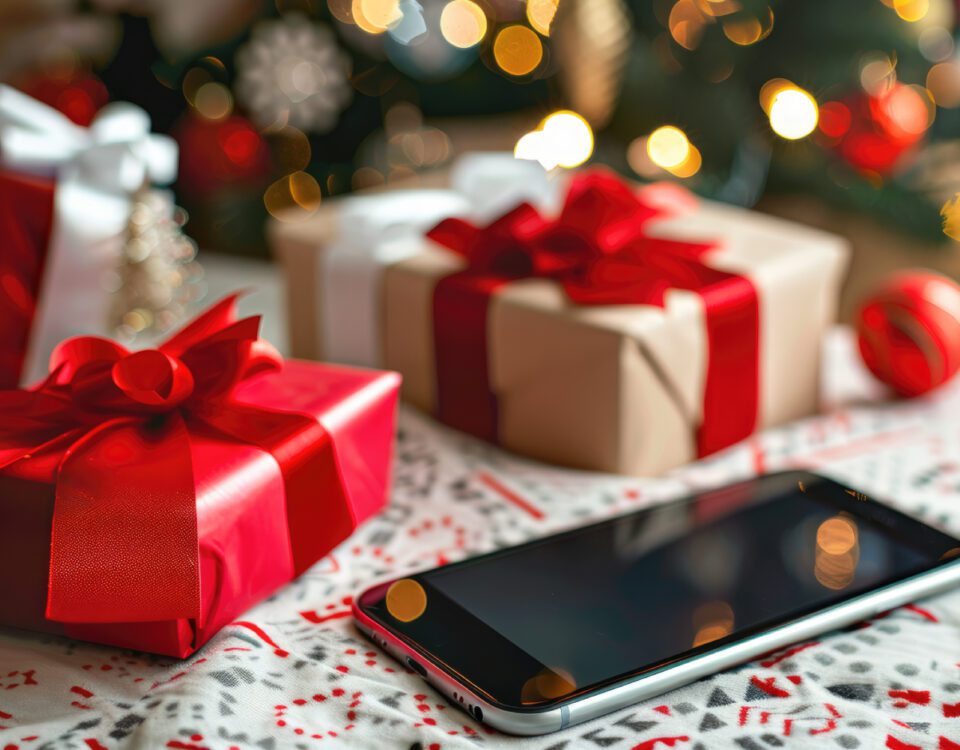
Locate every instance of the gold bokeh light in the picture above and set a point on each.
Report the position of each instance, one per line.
(213, 101)
(793, 113)
(517, 50)
(878, 74)
(912, 10)
(342, 10)
(719, 8)
(951, 218)
(406, 600)
(548, 684)
(192, 81)
(837, 536)
(376, 16)
(770, 89)
(540, 14)
(668, 147)
(746, 30)
(463, 23)
(712, 621)
(837, 552)
(293, 197)
(563, 139)
(687, 24)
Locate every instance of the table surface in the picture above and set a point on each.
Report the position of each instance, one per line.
(294, 672)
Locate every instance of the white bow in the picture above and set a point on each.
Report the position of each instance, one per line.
(117, 153)
(376, 231)
(97, 171)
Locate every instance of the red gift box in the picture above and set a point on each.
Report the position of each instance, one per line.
(148, 498)
(26, 219)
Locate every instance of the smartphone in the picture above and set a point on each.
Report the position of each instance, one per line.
(536, 638)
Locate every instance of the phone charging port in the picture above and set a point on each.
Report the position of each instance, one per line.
(416, 667)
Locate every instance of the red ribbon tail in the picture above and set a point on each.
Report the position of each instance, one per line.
(465, 397)
(124, 541)
(731, 398)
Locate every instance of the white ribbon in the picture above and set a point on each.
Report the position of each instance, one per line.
(371, 235)
(97, 169)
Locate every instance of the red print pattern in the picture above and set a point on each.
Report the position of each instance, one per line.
(294, 673)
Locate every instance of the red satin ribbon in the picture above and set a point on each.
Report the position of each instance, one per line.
(599, 252)
(124, 539)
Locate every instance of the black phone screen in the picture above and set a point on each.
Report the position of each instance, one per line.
(537, 624)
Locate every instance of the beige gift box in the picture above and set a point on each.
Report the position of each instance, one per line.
(616, 388)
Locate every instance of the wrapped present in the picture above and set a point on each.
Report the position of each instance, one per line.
(66, 196)
(327, 258)
(631, 331)
(148, 498)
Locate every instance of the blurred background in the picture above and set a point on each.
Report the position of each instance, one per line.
(841, 114)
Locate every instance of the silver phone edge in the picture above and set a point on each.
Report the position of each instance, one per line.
(674, 676)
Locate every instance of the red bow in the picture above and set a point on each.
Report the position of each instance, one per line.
(124, 538)
(599, 251)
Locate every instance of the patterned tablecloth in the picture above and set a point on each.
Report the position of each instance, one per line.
(295, 673)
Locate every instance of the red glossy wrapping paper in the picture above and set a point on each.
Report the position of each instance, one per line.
(243, 530)
(26, 220)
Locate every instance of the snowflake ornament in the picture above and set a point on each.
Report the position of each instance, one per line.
(292, 72)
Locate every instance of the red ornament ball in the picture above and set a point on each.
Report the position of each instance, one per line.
(215, 154)
(876, 133)
(909, 331)
(79, 95)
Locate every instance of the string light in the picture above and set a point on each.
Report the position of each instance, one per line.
(192, 81)
(719, 8)
(668, 147)
(376, 16)
(936, 43)
(639, 160)
(517, 50)
(689, 166)
(770, 89)
(540, 14)
(748, 30)
(911, 10)
(951, 218)
(835, 119)
(878, 74)
(213, 101)
(686, 24)
(293, 198)
(906, 111)
(563, 139)
(463, 23)
(291, 148)
(793, 113)
(342, 10)
(943, 82)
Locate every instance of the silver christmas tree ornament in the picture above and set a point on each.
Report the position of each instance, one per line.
(292, 72)
(158, 276)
